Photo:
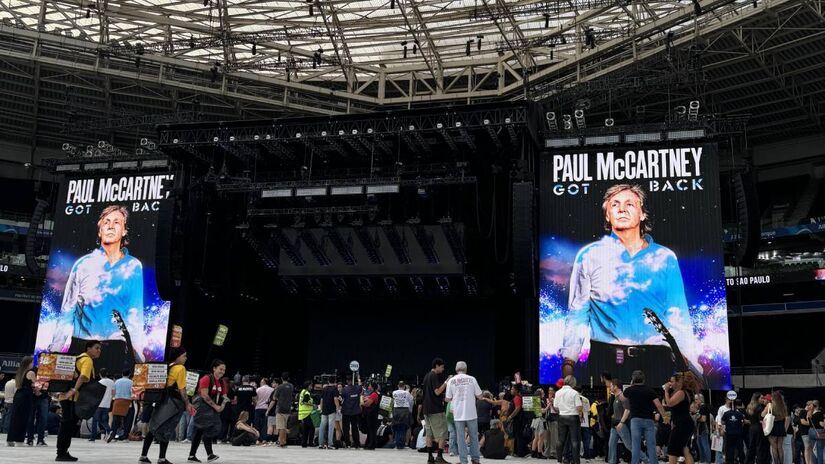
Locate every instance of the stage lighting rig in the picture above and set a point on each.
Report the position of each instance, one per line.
(693, 110)
(552, 123)
(580, 122)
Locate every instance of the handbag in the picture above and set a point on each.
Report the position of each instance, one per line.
(89, 398)
(767, 421)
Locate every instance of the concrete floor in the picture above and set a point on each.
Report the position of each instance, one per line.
(127, 452)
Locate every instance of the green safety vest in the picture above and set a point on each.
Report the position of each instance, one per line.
(304, 409)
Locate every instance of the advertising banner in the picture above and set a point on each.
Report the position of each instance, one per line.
(631, 264)
(100, 281)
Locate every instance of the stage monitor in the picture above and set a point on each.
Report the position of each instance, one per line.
(631, 264)
(100, 280)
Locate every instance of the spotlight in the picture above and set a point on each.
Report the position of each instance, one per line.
(392, 4)
(254, 48)
(469, 42)
(697, 8)
(369, 131)
(609, 122)
(479, 37)
(415, 48)
(568, 122)
(546, 20)
(311, 8)
(215, 139)
(552, 123)
(88, 13)
(589, 39)
(693, 110)
(323, 133)
(404, 48)
(191, 42)
(580, 122)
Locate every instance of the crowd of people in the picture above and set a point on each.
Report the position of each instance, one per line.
(446, 414)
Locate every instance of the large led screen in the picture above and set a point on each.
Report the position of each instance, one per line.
(631, 264)
(100, 281)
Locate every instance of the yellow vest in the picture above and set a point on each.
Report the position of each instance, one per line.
(304, 409)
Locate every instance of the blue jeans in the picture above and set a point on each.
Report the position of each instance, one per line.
(587, 435)
(818, 446)
(37, 422)
(399, 431)
(720, 455)
(453, 444)
(8, 409)
(186, 427)
(260, 423)
(326, 434)
(100, 420)
(703, 443)
(613, 444)
(643, 429)
(472, 430)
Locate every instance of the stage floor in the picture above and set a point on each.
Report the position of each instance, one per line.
(125, 452)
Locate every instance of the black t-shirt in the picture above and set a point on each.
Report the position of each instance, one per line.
(433, 404)
(641, 399)
(245, 393)
(273, 411)
(484, 411)
(494, 444)
(734, 422)
(328, 395)
(816, 420)
(285, 393)
(702, 427)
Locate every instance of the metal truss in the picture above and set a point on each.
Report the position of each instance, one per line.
(320, 128)
(63, 62)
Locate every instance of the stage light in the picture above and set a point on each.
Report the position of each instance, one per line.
(680, 112)
(417, 284)
(458, 124)
(125, 165)
(254, 48)
(580, 122)
(276, 193)
(486, 122)
(369, 131)
(438, 125)
(67, 167)
(175, 140)
(256, 137)
(602, 140)
(347, 190)
(231, 138)
(643, 137)
(507, 120)
(559, 143)
(589, 38)
(469, 43)
(471, 284)
(340, 132)
(385, 188)
(567, 122)
(95, 166)
(355, 132)
(310, 191)
(215, 139)
(404, 48)
(609, 122)
(697, 8)
(693, 110)
(546, 20)
(297, 135)
(443, 284)
(479, 37)
(411, 127)
(686, 134)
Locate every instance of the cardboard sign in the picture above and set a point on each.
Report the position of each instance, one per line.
(149, 376)
(388, 371)
(177, 336)
(192, 378)
(527, 403)
(386, 403)
(55, 367)
(220, 335)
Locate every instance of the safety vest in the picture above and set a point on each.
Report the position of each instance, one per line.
(304, 409)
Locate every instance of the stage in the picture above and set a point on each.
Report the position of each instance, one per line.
(102, 453)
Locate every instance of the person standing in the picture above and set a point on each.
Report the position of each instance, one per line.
(351, 411)
(370, 412)
(8, 403)
(402, 402)
(245, 397)
(23, 401)
(703, 425)
(678, 393)
(262, 395)
(733, 428)
(284, 395)
(329, 406)
(101, 418)
(166, 416)
(462, 393)
(586, 432)
(619, 405)
(569, 403)
(84, 372)
(781, 423)
(39, 415)
(643, 401)
(305, 406)
(212, 389)
(719, 425)
(435, 417)
(121, 406)
(817, 421)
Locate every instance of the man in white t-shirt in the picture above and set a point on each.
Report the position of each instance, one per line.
(101, 418)
(462, 392)
(720, 455)
(402, 404)
(8, 408)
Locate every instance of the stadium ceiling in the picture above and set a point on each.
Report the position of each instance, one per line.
(89, 70)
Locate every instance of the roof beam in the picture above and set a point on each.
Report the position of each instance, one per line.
(437, 71)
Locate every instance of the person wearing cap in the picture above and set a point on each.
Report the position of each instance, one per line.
(462, 393)
(166, 415)
(729, 398)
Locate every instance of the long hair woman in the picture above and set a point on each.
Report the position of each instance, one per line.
(781, 422)
(678, 396)
(166, 416)
(212, 391)
(23, 402)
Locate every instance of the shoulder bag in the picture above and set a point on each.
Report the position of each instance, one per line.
(767, 421)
